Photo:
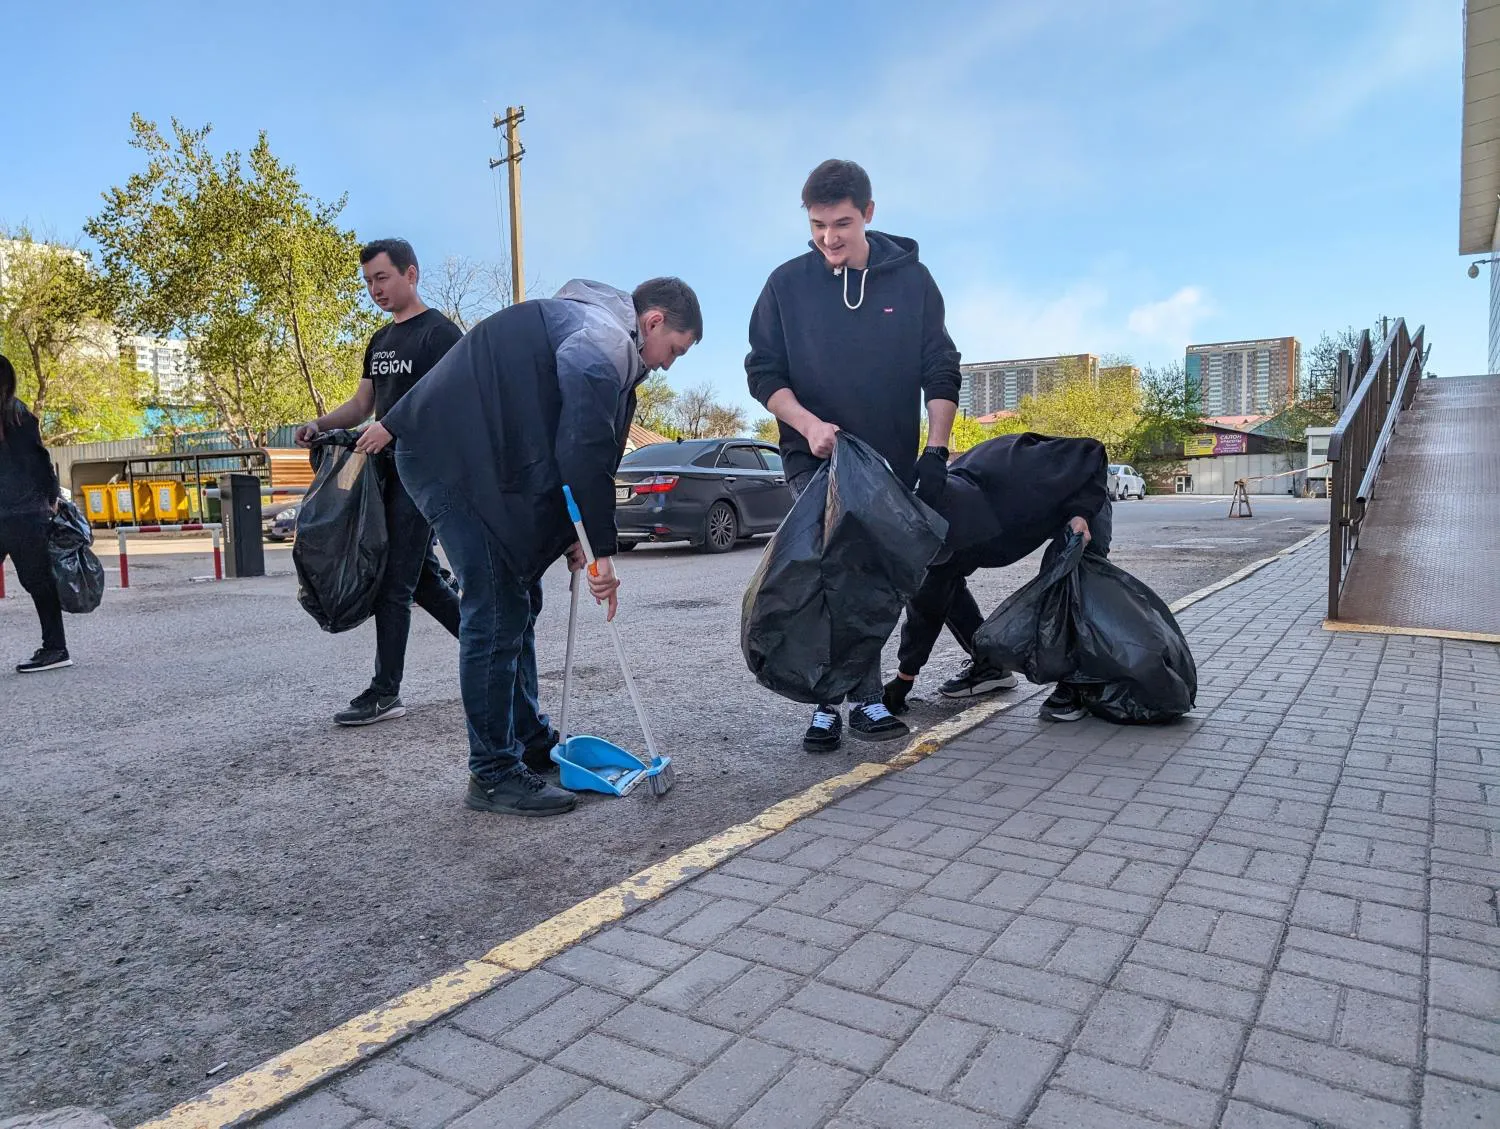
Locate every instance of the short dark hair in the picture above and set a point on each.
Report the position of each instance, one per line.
(402, 256)
(676, 300)
(833, 182)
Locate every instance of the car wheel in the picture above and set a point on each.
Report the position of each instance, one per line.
(721, 530)
(626, 546)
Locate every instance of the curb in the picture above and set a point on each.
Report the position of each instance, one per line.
(292, 1073)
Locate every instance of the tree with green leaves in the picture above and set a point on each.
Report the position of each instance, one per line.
(1170, 410)
(64, 352)
(1107, 409)
(230, 253)
(655, 401)
(767, 430)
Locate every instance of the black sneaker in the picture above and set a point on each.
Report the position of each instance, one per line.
(873, 722)
(538, 755)
(975, 679)
(1062, 705)
(826, 733)
(519, 792)
(369, 708)
(44, 660)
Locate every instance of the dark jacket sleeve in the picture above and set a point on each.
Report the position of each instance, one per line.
(940, 357)
(588, 449)
(1090, 497)
(766, 365)
(43, 474)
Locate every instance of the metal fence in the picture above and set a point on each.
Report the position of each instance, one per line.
(1360, 439)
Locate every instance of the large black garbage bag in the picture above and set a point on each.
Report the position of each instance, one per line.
(341, 543)
(76, 571)
(834, 578)
(1090, 623)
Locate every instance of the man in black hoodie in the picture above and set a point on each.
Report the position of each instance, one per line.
(850, 336)
(1003, 500)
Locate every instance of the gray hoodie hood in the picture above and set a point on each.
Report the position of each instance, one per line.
(609, 309)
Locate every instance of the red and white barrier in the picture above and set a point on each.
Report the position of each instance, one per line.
(187, 527)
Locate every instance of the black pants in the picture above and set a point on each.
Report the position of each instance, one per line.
(411, 575)
(24, 541)
(944, 597)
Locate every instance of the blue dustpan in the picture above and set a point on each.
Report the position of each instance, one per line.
(592, 764)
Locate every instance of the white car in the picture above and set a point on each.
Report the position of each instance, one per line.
(1124, 483)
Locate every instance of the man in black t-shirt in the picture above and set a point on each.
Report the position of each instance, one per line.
(399, 354)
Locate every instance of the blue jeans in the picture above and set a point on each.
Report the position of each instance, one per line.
(497, 674)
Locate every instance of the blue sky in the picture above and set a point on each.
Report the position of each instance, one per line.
(1120, 176)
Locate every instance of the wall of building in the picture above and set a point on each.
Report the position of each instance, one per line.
(996, 386)
(1245, 377)
(1495, 313)
(1218, 475)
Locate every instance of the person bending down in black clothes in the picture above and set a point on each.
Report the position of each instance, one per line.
(1003, 499)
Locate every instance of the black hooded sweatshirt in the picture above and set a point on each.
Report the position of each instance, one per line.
(28, 481)
(866, 369)
(1012, 494)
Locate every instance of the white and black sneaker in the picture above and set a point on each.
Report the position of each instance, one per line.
(976, 679)
(1063, 705)
(873, 722)
(44, 660)
(826, 733)
(369, 708)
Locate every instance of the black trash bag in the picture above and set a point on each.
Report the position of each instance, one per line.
(341, 544)
(1090, 623)
(834, 578)
(75, 570)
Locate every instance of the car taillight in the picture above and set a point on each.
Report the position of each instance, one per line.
(658, 485)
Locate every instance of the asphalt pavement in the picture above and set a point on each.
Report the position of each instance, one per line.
(198, 870)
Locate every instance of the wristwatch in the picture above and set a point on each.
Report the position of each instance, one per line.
(940, 451)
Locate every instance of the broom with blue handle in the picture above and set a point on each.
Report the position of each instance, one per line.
(659, 771)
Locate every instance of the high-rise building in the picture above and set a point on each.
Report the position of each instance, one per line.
(166, 364)
(1000, 386)
(1242, 378)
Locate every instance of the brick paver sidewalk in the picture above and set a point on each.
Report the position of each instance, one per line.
(1279, 913)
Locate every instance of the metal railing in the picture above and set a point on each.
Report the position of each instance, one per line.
(1358, 445)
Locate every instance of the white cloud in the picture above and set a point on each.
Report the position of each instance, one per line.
(1171, 321)
(992, 323)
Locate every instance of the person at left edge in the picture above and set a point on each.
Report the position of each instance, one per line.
(535, 397)
(399, 355)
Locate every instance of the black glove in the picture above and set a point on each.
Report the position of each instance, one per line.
(932, 476)
(895, 695)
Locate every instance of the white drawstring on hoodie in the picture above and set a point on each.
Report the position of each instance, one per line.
(864, 274)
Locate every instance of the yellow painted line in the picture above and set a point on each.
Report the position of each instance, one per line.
(572, 925)
(1414, 632)
(278, 1080)
(1249, 570)
(931, 740)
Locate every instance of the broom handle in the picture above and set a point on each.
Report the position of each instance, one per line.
(562, 716)
(614, 628)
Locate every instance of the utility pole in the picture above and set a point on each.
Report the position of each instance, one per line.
(514, 151)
